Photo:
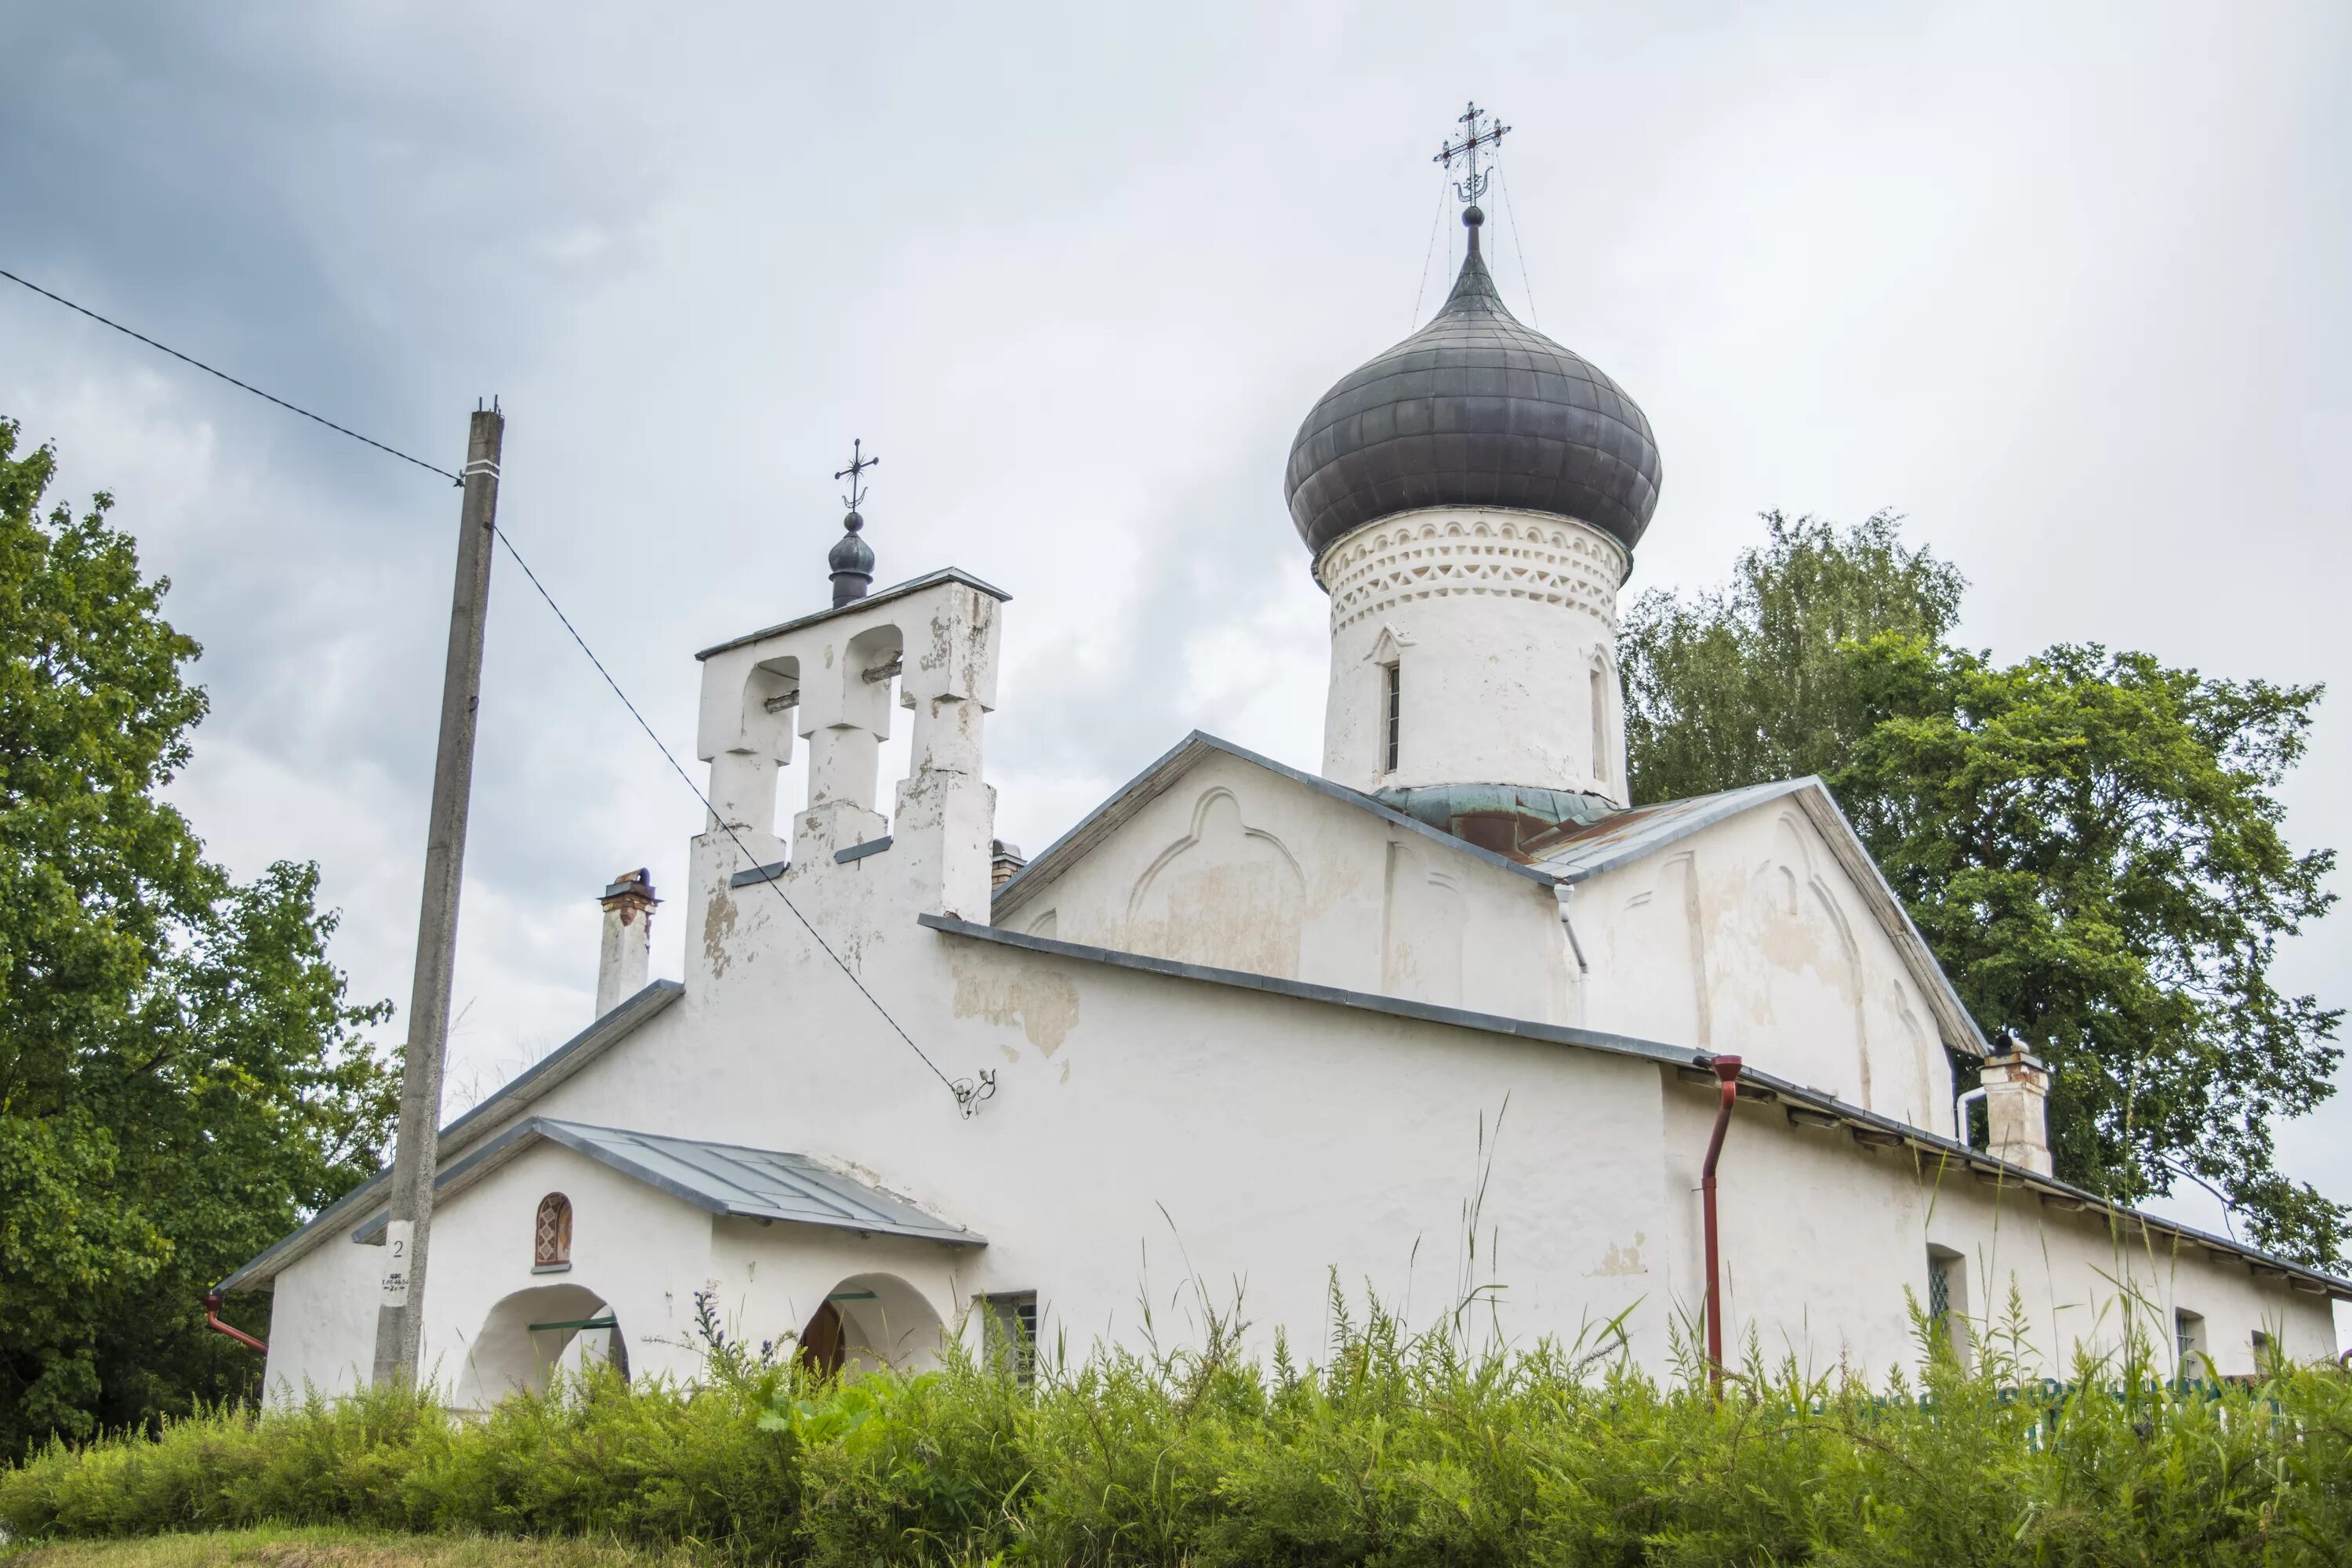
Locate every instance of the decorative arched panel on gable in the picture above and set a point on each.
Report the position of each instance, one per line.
(1658, 955)
(1426, 921)
(1809, 968)
(1226, 894)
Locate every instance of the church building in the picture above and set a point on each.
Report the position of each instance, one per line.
(1453, 1020)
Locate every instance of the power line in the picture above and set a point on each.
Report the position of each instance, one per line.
(724, 824)
(500, 533)
(241, 385)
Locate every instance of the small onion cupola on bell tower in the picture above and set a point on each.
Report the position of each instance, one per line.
(1472, 498)
(850, 559)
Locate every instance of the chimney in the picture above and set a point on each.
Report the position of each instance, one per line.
(2017, 1107)
(628, 934)
(1004, 860)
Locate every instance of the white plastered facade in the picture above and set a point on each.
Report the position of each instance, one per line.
(1247, 1030)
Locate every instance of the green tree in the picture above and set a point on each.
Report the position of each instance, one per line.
(1745, 683)
(181, 1077)
(2091, 842)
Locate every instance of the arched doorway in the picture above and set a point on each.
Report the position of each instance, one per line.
(872, 1320)
(531, 1335)
(822, 1341)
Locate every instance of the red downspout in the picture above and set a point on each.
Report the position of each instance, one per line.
(212, 1320)
(1726, 1072)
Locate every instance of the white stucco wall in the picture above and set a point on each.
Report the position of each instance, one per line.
(898, 1296)
(1147, 1130)
(1749, 937)
(1241, 868)
(639, 1252)
(322, 1313)
(1821, 1237)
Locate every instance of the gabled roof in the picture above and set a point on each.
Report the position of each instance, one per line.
(1574, 855)
(1162, 776)
(718, 1178)
(1807, 1106)
(526, 1086)
(1578, 854)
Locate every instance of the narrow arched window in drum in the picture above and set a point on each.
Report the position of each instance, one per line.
(1599, 701)
(551, 1245)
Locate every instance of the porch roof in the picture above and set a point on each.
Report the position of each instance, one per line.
(719, 1178)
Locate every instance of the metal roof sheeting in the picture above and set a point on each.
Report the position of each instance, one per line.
(718, 1178)
(550, 1071)
(1629, 834)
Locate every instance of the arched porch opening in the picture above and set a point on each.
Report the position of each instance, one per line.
(531, 1334)
(872, 1320)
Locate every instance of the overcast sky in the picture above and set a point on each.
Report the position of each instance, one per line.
(2064, 284)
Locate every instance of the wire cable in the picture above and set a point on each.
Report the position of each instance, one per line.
(241, 385)
(724, 826)
(1534, 318)
(1428, 251)
(961, 1096)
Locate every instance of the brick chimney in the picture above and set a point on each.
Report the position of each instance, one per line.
(1004, 860)
(2017, 1107)
(628, 935)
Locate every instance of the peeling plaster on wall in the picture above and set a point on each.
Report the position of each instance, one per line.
(1042, 1001)
(718, 925)
(1622, 1259)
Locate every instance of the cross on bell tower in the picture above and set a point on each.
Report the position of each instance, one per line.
(851, 560)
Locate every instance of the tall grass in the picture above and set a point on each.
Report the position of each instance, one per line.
(1401, 1450)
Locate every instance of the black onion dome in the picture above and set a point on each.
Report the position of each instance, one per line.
(1474, 409)
(849, 553)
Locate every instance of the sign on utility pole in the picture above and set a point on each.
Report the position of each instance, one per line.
(400, 1310)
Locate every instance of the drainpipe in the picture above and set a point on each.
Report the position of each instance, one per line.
(212, 1320)
(1960, 1116)
(1561, 893)
(1727, 1073)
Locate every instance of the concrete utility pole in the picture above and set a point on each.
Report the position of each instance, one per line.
(400, 1311)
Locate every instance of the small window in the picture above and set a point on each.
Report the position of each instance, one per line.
(2189, 1343)
(1393, 698)
(1011, 1327)
(1948, 1298)
(2261, 1342)
(551, 1244)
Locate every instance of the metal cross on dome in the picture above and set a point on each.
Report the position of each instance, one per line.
(858, 463)
(1474, 185)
